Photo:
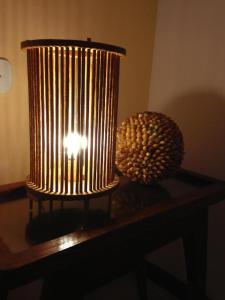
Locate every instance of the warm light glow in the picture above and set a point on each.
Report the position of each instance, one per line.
(67, 242)
(73, 100)
(73, 143)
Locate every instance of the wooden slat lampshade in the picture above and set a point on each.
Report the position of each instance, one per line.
(73, 99)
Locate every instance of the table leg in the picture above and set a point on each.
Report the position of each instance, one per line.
(141, 279)
(195, 251)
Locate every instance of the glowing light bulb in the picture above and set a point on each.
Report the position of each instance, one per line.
(74, 142)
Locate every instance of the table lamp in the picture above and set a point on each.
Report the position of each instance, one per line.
(73, 97)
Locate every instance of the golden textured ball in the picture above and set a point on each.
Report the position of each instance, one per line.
(149, 147)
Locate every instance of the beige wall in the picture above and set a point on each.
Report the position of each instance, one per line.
(188, 84)
(121, 22)
(188, 78)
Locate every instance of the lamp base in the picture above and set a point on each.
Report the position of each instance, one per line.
(37, 193)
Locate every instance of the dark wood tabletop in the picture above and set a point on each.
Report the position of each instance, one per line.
(40, 239)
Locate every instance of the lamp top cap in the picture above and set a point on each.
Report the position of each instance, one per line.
(72, 43)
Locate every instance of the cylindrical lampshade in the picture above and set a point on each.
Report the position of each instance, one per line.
(73, 99)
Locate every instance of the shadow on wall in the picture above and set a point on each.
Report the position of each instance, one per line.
(201, 118)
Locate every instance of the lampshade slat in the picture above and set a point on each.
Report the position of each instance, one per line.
(72, 113)
(40, 119)
(46, 110)
(88, 102)
(35, 138)
(103, 118)
(51, 118)
(81, 112)
(57, 179)
(81, 74)
(79, 121)
(66, 111)
(34, 123)
(98, 107)
(93, 124)
(115, 107)
(107, 118)
(45, 141)
(110, 115)
(101, 78)
(62, 120)
(77, 116)
(31, 112)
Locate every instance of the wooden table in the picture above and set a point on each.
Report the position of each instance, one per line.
(45, 240)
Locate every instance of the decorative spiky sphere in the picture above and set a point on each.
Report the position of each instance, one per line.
(149, 147)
